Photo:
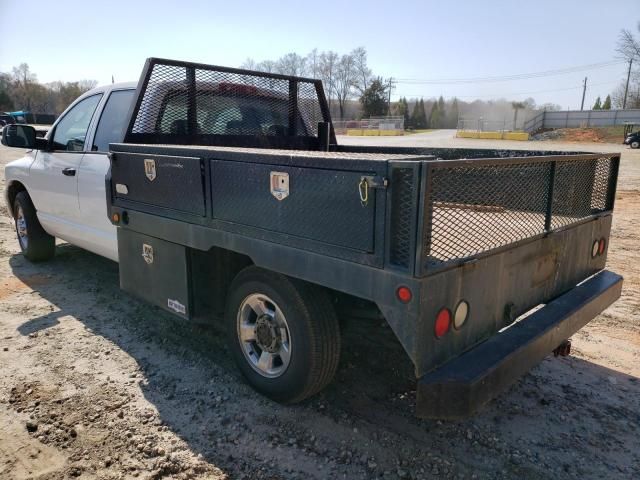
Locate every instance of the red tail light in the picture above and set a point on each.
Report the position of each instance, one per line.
(601, 246)
(443, 322)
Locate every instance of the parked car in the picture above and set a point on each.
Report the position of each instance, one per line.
(224, 193)
(633, 139)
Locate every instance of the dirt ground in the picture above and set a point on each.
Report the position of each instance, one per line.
(585, 135)
(96, 384)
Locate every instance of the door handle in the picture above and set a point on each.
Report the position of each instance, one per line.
(69, 172)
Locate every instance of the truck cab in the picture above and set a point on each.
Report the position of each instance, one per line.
(65, 179)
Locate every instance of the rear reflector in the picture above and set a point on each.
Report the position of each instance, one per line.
(404, 294)
(443, 322)
(461, 314)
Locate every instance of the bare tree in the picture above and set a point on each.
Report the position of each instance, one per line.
(345, 80)
(312, 63)
(291, 64)
(328, 70)
(23, 86)
(268, 66)
(628, 46)
(363, 71)
(249, 64)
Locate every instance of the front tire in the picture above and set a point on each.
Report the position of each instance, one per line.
(635, 144)
(36, 244)
(282, 333)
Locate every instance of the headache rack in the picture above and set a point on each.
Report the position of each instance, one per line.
(471, 208)
(184, 103)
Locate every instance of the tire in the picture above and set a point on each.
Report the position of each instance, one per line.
(297, 328)
(36, 244)
(635, 144)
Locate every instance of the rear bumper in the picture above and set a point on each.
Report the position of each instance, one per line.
(460, 387)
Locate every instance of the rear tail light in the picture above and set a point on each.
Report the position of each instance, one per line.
(598, 247)
(443, 322)
(601, 246)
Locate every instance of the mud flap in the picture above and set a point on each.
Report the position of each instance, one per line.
(156, 271)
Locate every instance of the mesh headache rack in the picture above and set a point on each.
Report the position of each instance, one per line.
(184, 103)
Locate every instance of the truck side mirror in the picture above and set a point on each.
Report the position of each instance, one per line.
(20, 136)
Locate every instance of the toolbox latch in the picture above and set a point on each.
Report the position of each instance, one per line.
(367, 182)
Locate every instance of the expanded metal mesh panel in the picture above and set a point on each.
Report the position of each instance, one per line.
(308, 106)
(474, 209)
(580, 189)
(193, 103)
(402, 216)
(167, 85)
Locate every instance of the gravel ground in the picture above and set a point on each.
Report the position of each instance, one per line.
(95, 384)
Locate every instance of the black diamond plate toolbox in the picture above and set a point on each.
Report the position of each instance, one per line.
(167, 181)
(310, 203)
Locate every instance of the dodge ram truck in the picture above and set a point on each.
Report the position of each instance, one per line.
(224, 196)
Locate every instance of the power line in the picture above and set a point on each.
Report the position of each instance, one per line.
(506, 78)
(515, 93)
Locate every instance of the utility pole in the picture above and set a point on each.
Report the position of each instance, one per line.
(626, 88)
(390, 88)
(584, 91)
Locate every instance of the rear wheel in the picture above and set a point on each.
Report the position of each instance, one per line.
(283, 334)
(36, 244)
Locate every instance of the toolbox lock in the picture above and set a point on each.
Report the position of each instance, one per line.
(367, 182)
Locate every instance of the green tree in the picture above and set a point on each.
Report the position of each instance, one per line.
(422, 116)
(403, 110)
(597, 105)
(452, 114)
(416, 116)
(435, 116)
(443, 110)
(374, 99)
(607, 103)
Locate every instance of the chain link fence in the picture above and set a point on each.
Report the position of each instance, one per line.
(380, 124)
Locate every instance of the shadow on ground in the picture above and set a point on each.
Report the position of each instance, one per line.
(553, 420)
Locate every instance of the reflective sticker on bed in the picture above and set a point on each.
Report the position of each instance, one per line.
(176, 306)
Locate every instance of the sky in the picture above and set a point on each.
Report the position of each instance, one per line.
(419, 40)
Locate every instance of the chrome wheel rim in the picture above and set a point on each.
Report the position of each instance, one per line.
(264, 335)
(21, 228)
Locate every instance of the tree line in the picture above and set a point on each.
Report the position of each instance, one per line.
(344, 76)
(20, 90)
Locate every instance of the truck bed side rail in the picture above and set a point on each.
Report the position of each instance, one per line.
(473, 208)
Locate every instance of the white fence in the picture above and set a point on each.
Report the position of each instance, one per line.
(581, 119)
(372, 123)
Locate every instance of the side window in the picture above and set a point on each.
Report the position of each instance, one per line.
(71, 131)
(111, 126)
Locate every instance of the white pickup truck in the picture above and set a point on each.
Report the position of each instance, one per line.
(224, 194)
(60, 192)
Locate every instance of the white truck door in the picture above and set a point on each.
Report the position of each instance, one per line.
(100, 233)
(53, 175)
